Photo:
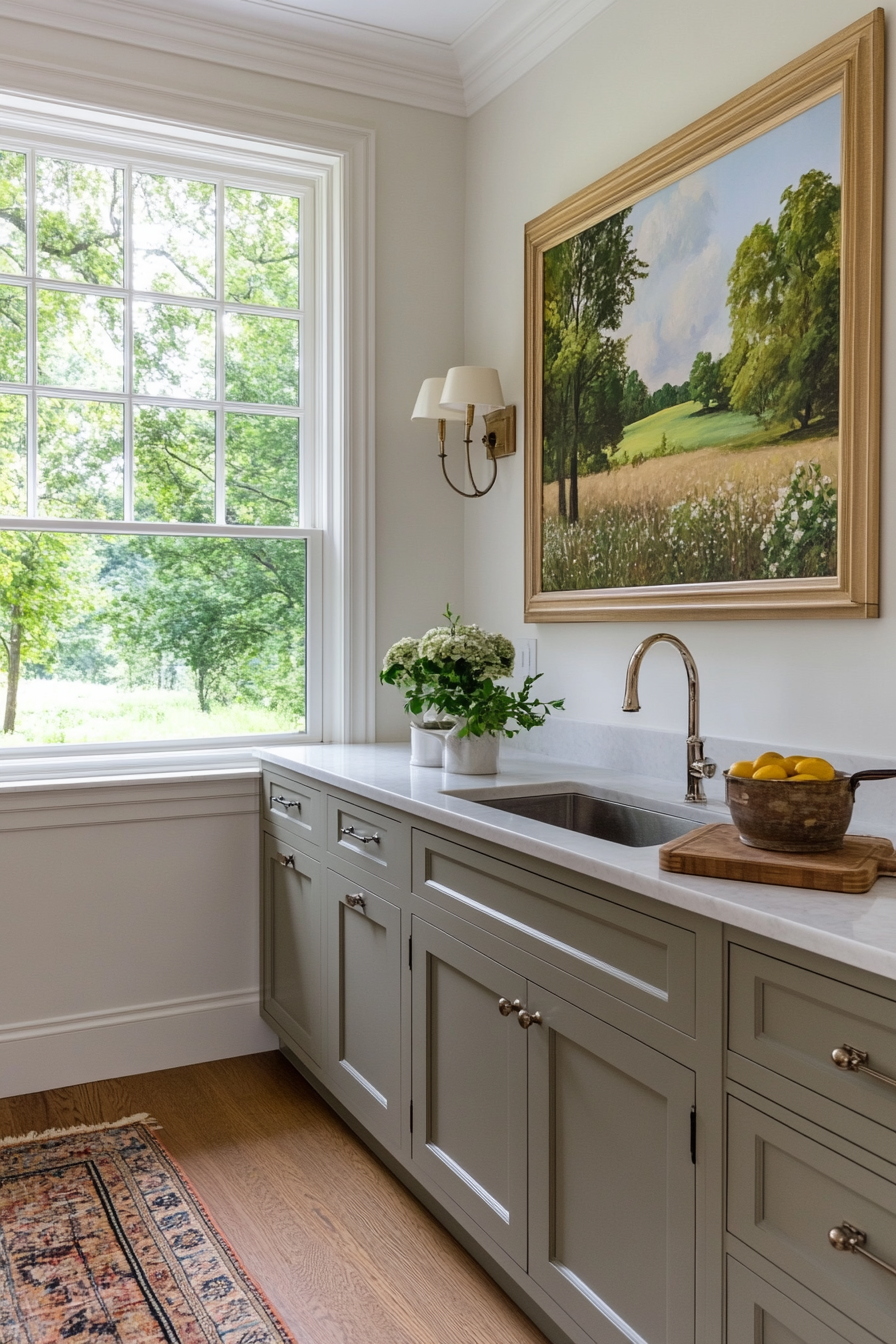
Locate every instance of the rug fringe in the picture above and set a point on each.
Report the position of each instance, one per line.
(142, 1118)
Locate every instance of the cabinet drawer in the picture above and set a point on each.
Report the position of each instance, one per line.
(785, 1194)
(367, 839)
(291, 802)
(639, 959)
(759, 1314)
(791, 1020)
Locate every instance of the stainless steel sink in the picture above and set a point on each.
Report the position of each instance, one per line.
(625, 825)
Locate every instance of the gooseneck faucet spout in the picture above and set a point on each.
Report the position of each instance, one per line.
(699, 768)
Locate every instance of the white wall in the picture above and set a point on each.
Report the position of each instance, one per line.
(419, 178)
(129, 915)
(637, 73)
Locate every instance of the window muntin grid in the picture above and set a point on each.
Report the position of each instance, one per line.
(251, 437)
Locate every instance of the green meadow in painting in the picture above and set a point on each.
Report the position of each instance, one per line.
(691, 375)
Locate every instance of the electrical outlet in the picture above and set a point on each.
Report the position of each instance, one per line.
(526, 657)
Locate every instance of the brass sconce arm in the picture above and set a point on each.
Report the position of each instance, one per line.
(475, 493)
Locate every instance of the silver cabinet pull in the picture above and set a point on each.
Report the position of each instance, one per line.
(527, 1019)
(849, 1238)
(856, 1061)
(287, 860)
(356, 835)
(287, 802)
(355, 900)
(505, 1007)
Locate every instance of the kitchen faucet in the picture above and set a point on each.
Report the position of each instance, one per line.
(699, 768)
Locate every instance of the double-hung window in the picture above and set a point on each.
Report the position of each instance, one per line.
(158, 367)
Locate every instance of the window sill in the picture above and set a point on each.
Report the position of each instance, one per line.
(87, 765)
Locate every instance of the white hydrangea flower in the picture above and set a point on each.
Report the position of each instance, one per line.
(404, 654)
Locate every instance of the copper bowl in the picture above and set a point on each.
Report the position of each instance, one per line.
(807, 817)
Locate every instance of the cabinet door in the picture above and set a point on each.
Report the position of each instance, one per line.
(292, 939)
(469, 1076)
(611, 1177)
(364, 1001)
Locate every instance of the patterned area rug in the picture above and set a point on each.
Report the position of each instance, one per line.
(102, 1238)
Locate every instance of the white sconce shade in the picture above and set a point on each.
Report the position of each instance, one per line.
(469, 385)
(428, 398)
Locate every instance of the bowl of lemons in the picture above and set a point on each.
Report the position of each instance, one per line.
(796, 804)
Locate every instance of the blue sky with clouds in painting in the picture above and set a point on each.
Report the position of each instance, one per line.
(689, 232)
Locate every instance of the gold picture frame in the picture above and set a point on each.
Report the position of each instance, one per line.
(850, 65)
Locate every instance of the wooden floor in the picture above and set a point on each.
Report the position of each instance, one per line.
(341, 1249)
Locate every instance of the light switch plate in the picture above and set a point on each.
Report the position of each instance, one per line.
(526, 657)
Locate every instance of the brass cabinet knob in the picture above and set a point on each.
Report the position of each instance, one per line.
(355, 900)
(527, 1019)
(505, 1007)
(852, 1059)
(849, 1238)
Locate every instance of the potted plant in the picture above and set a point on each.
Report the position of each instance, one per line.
(455, 670)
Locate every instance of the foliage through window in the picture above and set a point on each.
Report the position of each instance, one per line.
(151, 370)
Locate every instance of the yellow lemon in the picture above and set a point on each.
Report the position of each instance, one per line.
(801, 779)
(814, 765)
(742, 770)
(767, 758)
(790, 763)
(772, 771)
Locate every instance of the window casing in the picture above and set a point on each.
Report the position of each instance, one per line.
(274, 171)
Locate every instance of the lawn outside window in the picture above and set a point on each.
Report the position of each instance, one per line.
(160, 540)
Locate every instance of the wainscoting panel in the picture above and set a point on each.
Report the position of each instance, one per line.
(128, 927)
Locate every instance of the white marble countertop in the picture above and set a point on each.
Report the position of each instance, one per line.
(857, 930)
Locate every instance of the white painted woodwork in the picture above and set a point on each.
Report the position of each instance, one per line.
(128, 928)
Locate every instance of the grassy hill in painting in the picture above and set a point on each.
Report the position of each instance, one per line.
(687, 427)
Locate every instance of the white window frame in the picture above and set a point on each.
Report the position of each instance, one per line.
(331, 168)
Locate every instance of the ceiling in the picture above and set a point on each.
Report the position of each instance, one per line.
(446, 55)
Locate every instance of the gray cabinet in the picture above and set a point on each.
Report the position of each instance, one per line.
(611, 1177)
(364, 1004)
(292, 945)
(759, 1314)
(469, 1083)
(567, 1141)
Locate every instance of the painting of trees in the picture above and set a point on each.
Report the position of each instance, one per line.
(784, 299)
(588, 280)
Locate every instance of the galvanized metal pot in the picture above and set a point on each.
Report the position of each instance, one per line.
(808, 817)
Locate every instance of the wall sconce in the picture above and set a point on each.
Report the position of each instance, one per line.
(467, 391)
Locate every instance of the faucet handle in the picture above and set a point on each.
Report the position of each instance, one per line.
(699, 767)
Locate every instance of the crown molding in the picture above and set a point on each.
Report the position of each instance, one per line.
(273, 37)
(512, 38)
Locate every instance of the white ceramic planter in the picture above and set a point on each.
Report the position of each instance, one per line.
(471, 755)
(427, 745)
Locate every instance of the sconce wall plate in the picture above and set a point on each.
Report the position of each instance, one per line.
(500, 432)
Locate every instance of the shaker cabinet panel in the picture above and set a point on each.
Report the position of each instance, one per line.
(759, 1314)
(364, 1001)
(612, 1188)
(637, 958)
(292, 989)
(469, 1068)
(786, 1193)
(791, 1020)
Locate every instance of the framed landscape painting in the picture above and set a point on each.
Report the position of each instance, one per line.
(703, 363)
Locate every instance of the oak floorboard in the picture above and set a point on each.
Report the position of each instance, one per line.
(343, 1251)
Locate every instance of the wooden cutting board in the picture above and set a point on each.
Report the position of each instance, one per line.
(718, 851)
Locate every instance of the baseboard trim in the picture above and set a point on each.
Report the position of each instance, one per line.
(84, 1048)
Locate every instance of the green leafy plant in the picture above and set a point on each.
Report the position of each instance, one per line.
(454, 669)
